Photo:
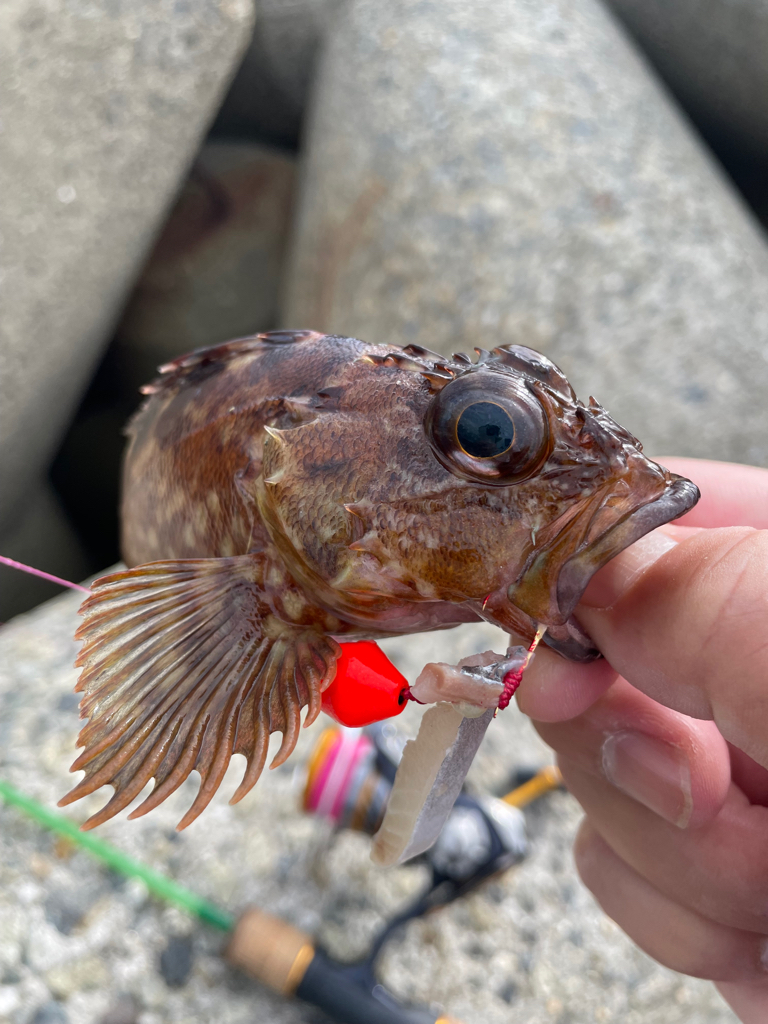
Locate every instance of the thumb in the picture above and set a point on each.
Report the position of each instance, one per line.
(687, 623)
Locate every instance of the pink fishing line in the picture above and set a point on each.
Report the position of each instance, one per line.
(43, 575)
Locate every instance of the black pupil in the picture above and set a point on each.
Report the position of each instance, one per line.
(485, 430)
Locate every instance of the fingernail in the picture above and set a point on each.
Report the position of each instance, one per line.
(653, 772)
(606, 586)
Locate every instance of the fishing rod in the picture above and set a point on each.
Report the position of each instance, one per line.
(270, 950)
(285, 959)
(274, 952)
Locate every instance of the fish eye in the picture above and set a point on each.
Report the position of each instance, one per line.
(484, 429)
(489, 427)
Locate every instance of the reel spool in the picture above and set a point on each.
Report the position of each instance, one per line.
(343, 782)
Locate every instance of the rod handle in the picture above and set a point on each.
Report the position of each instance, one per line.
(270, 950)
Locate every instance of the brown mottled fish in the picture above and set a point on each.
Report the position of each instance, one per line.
(293, 489)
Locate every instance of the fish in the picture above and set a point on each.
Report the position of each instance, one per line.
(289, 491)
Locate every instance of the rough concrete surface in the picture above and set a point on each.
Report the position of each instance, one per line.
(79, 945)
(103, 105)
(486, 173)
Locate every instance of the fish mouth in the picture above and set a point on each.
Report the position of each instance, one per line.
(564, 634)
(680, 496)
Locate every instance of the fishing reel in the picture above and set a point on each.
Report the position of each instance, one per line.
(350, 775)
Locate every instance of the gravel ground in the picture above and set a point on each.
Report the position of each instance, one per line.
(79, 945)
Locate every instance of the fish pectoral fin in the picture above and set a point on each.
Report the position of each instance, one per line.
(183, 665)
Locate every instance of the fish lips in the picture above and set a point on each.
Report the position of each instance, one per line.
(570, 640)
(680, 496)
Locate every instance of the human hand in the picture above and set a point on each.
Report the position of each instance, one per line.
(665, 742)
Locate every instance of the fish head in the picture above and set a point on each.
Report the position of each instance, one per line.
(488, 486)
(577, 483)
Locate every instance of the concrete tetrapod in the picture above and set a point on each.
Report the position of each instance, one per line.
(103, 108)
(513, 172)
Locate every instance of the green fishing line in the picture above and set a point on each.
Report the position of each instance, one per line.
(157, 883)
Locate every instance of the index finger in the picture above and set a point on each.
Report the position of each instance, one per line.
(688, 628)
(731, 495)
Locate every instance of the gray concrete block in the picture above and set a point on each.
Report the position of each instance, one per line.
(214, 272)
(103, 108)
(530, 947)
(487, 173)
(714, 56)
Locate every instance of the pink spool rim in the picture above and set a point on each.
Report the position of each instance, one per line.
(321, 776)
(328, 793)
